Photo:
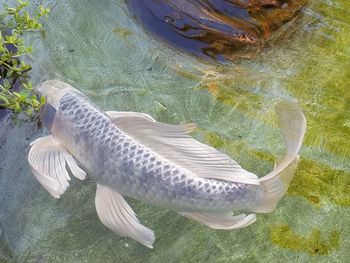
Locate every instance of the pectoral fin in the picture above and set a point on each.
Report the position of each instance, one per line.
(48, 159)
(221, 220)
(115, 213)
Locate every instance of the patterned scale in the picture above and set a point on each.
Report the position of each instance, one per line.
(112, 157)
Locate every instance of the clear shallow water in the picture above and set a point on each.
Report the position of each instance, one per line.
(98, 48)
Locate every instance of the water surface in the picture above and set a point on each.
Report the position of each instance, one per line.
(97, 47)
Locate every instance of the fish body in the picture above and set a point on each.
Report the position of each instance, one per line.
(130, 154)
(111, 157)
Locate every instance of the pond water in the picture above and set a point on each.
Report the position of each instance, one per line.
(100, 49)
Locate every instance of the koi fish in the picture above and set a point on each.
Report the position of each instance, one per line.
(194, 27)
(215, 30)
(131, 154)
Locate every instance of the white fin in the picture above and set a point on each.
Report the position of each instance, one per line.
(123, 114)
(115, 213)
(275, 184)
(174, 144)
(129, 118)
(48, 159)
(221, 220)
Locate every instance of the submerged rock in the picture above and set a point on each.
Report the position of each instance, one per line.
(220, 30)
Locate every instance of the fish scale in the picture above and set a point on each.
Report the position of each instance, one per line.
(112, 157)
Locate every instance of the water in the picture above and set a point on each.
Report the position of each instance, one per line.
(97, 47)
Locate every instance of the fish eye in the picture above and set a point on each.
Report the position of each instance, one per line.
(169, 19)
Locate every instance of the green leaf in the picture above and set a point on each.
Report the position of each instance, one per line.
(28, 86)
(23, 93)
(35, 102)
(4, 99)
(18, 19)
(11, 10)
(6, 84)
(16, 94)
(17, 107)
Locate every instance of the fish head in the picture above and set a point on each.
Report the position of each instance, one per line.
(53, 90)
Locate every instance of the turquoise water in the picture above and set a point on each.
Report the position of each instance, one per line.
(97, 47)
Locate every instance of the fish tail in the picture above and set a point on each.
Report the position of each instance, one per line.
(275, 184)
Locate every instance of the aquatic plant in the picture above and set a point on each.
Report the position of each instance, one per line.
(15, 89)
(315, 243)
(320, 183)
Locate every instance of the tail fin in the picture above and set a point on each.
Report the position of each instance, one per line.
(275, 184)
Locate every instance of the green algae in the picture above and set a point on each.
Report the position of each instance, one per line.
(232, 147)
(315, 243)
(234, 94)
(320, 183)
(123, 32)
(322, 85)
(254, 160)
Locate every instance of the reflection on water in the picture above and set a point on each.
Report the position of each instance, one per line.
(218, 30)
(97, 46)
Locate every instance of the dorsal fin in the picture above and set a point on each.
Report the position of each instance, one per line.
(174, 144)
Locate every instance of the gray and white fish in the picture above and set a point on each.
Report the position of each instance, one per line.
(131, 154)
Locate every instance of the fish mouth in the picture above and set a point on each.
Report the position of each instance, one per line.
(47, 86)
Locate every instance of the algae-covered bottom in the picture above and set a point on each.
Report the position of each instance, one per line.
(96, 46)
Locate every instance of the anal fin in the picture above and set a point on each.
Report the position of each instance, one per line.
(221, 220)
(115, 213)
